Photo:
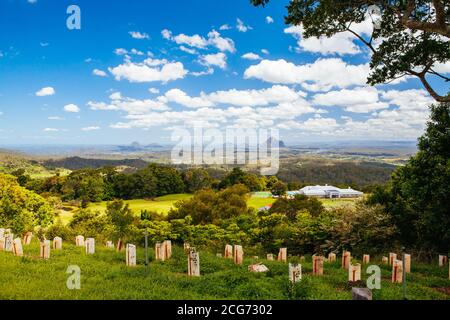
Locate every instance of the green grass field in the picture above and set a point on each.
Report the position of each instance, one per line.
(105, 276)
(160, 205)
(164, 204)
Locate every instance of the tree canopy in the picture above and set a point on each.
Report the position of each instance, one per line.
(20, 209)
(418, 196)
(411, 37)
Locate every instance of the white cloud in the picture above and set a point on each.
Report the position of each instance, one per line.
(99, 73)
(149, 71)
(224, 27)
(122, 52)
(196, 41)
(188, 50)
(180, 97)
(442, 68)
(341, 43)
(323, 74)
(73, 108)
(208, 71)
(265, 51)
(358, 100)
(241, 26)
(51, 130)
(269, 20)
(129, 105)
(55, 118)
(153, 90)
(275, 95)
(218, 60)
(223, 44)
(251, 56)
(44, 44)
(32, 1)
(139, 35)
(47, 91)
(93, 128)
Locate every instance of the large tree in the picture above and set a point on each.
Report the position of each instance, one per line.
(20, 209)
(411, 37)
(418, 196)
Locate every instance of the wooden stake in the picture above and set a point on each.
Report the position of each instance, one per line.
(193, 263)
(45, 249)
(167, 248)
(317, 265)
(442, 260)
(27, 238)
(397, 271)
(282, 255)
(392, 258)
(90, 245)
(354, 273)
(366, 259)
(9, 238)
(17, 247)
(346, 259)
(79, 241)
(238, 254)
(295, 272)
(130, 255)
(57, 243)
(228, 252)
(110, 244)
(407, 263)
(331, 257)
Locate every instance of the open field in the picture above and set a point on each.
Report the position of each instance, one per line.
(105, 276)
(164, 204)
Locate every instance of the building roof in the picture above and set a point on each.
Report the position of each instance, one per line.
(327, 190)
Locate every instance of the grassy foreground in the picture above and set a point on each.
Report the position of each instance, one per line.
(105, 276)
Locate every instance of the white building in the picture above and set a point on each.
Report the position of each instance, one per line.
(327, 191)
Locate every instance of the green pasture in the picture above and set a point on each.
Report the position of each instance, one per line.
(165, 203)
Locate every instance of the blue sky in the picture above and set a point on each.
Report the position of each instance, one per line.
(138, 69)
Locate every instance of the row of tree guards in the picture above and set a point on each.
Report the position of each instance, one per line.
(163, 252)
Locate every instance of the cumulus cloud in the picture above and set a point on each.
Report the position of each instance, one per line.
(269, 20)
(241, 26)
(139, 35)
(322, 75)
(93, 128)
(129, 105)
(341, 43)
(251, 56)
(153, 90)
(188, 50)
(216, 60)
(199, 42)
(358, 100)
(180, 97)
(73, 108)
(99, 73)
(46, 91)
(151, 70)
